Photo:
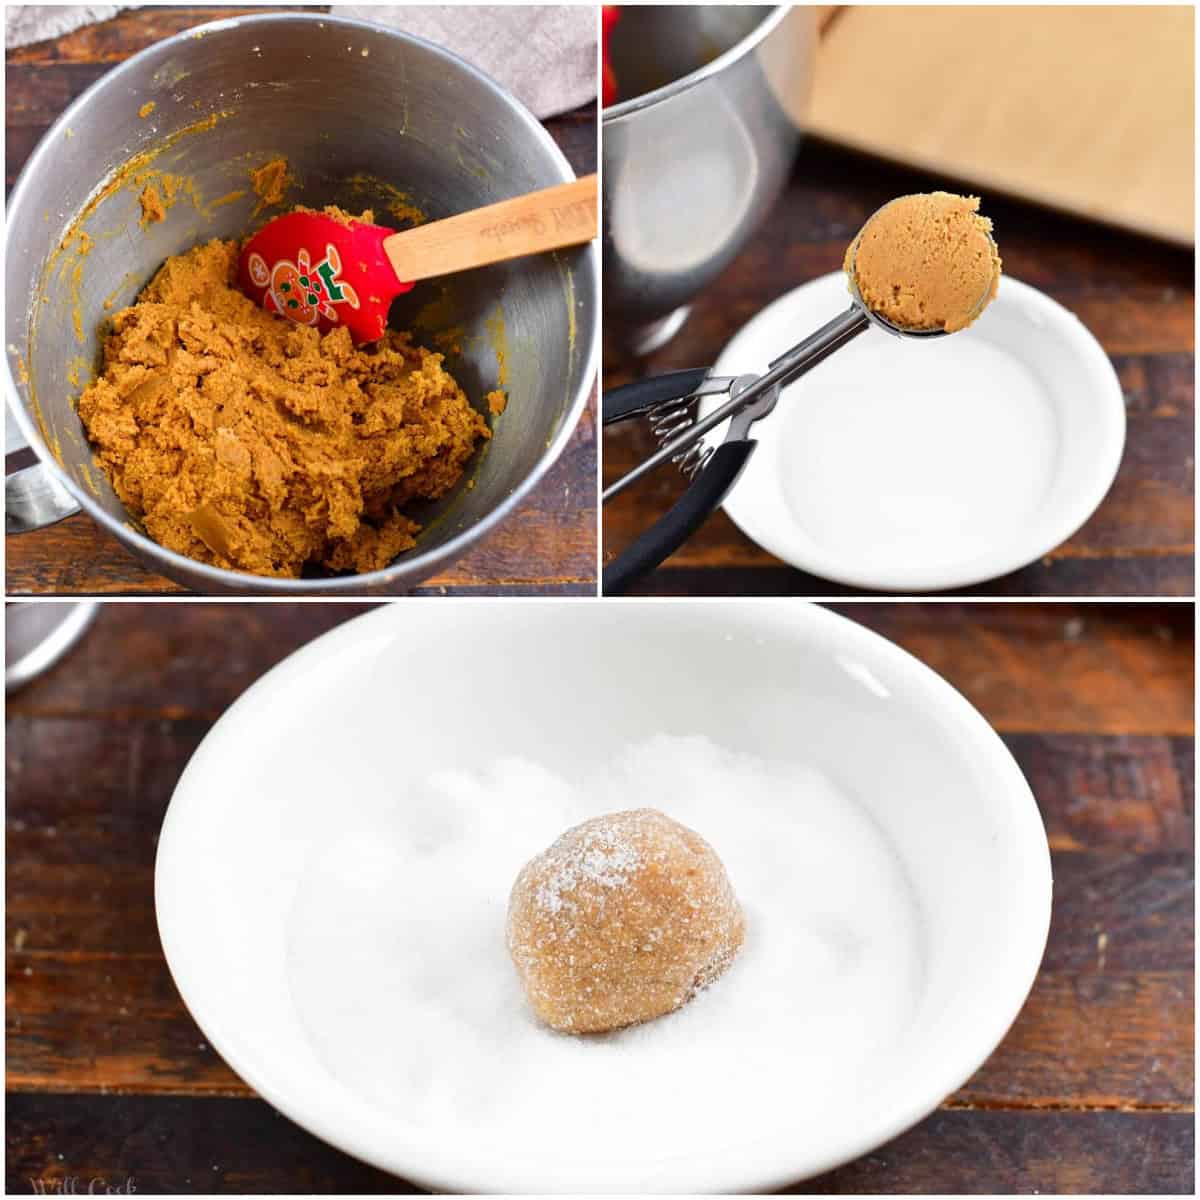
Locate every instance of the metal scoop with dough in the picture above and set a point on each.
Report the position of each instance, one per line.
(669, 403)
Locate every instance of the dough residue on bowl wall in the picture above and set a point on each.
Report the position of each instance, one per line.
(397, 203)
(270, 183)
(138, 173)
(159, 196)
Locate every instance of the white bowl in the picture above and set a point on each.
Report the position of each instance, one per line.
(907, 466)
(384, 699)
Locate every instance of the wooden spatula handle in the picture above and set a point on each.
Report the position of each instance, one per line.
(563, 215)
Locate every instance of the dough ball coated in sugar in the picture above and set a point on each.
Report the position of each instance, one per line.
(623, 919)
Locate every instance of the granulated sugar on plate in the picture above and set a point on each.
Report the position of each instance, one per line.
(400, 974)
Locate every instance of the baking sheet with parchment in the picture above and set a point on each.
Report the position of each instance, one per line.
(1085, 109)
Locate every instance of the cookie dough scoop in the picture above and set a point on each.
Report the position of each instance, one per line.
(328, 270)
(922, 266)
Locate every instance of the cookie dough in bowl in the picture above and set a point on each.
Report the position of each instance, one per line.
(229, 100)
(257, 444)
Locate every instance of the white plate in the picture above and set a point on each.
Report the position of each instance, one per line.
(382, 701)
(906, 465)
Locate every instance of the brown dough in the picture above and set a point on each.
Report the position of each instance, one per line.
(153, 208)
(157, 197)
(271, 181)
(252, 443)
(926, 262)
(623, 919)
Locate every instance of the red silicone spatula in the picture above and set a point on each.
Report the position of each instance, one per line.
(610, 14)
(317, 270)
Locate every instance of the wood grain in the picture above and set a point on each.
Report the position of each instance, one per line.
(233, 1146)
(172, 1145)
(986, 1152)
(148, 660)
(1115, 669)
(1169, 575)
(564, 215)
(112, 41)
(547, 547)
(1094, 669)
(1134, 294)
(1120, 792)
(112, 1023)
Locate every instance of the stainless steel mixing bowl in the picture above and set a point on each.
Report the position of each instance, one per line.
(697, 154)
(37, 635)
(340, 99)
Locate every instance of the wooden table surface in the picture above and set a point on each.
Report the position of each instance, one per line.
(548, 546)
(1092, 1090)
(1134, 294)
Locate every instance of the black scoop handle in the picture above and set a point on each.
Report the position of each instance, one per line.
(639, 397)
(690, 511)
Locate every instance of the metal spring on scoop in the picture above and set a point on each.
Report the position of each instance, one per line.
(671, 418)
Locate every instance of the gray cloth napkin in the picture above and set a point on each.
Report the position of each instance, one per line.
(544, 54)
(26, 23)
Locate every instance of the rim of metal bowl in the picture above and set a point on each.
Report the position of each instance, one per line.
(56, 644)
(235, 581)
(626, 108)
